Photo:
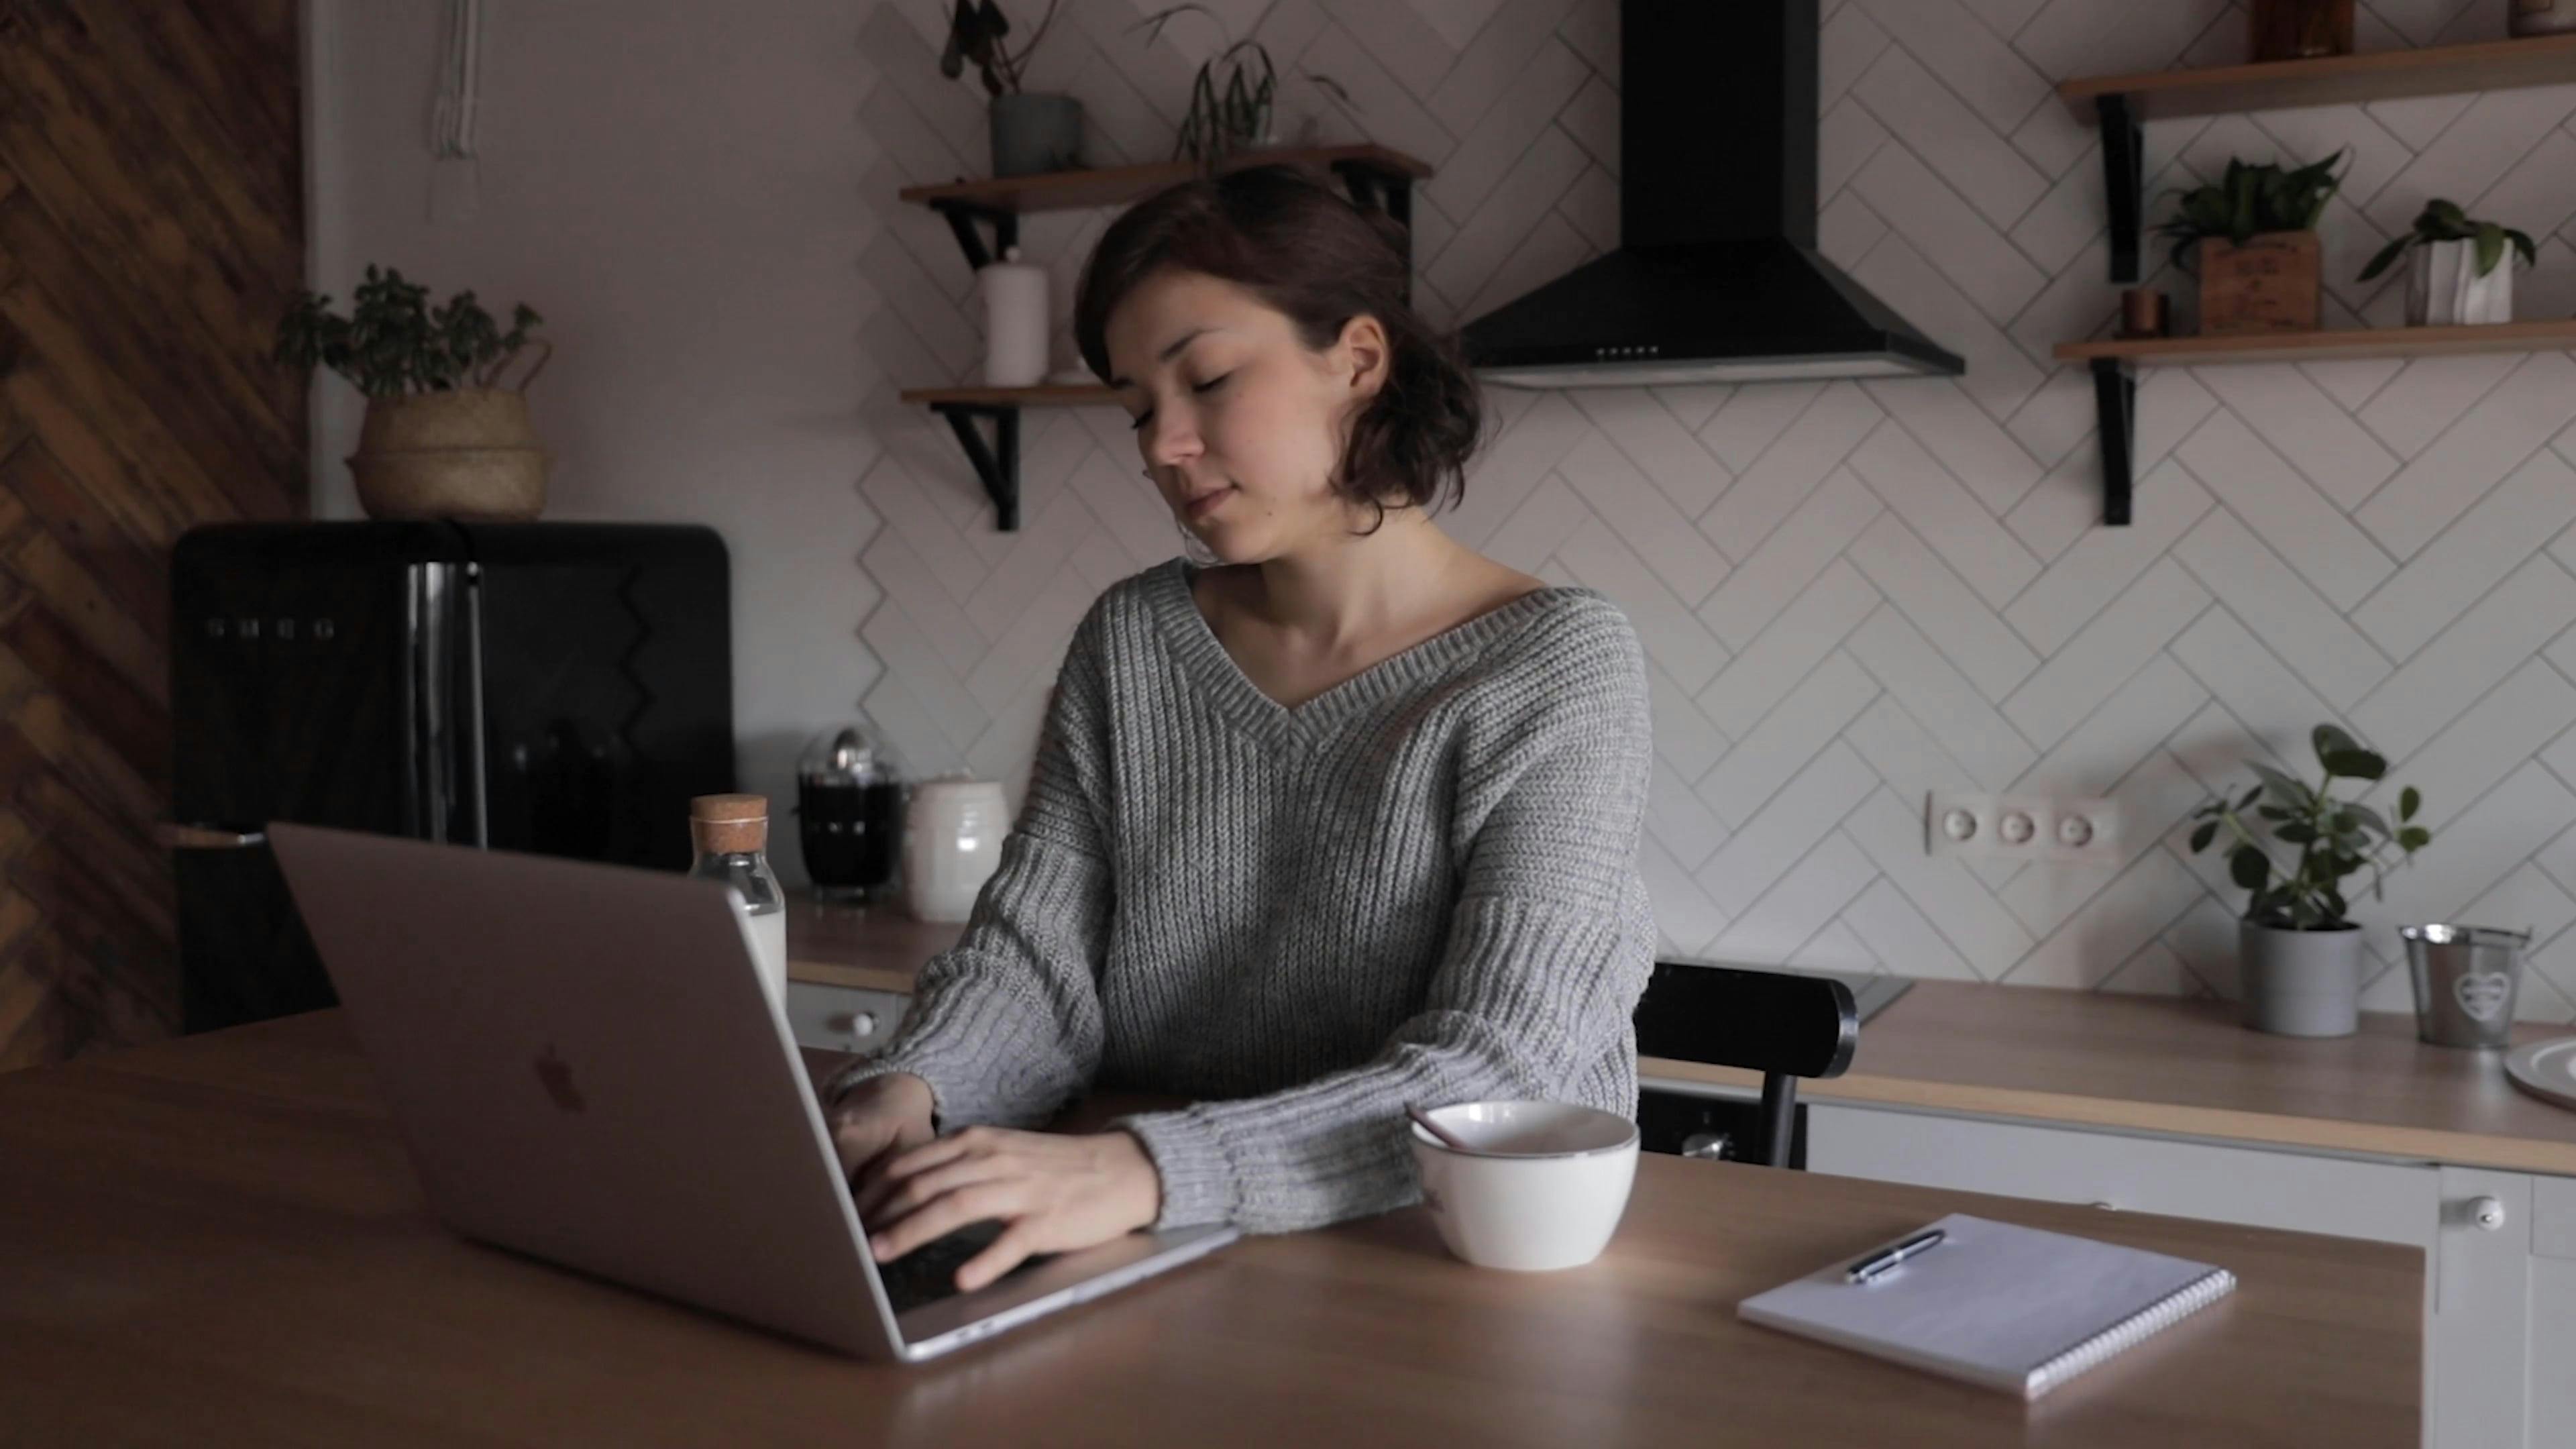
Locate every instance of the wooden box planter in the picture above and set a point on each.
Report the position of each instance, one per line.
(2270, 284)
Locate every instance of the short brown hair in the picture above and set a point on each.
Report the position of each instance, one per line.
(1295, 243)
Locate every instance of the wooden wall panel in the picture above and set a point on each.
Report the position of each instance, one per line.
(151, 231)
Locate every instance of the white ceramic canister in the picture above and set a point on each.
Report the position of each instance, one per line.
(1015, 321)
(952, 844)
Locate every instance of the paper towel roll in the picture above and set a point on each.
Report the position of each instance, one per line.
(1015, 322)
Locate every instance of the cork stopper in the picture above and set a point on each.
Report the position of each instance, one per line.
(729, 824)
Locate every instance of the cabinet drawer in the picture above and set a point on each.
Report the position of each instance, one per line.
(842, 1018)
(2389, 1202)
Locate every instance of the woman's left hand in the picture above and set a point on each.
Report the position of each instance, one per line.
(1052, 1193)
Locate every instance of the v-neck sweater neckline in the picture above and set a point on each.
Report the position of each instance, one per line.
(1203, 656)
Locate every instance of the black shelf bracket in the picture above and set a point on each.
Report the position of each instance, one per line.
(2115, 396)
(997, 464)
(964, 217)
(2124, 174)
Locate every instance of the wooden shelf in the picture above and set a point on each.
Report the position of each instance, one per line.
(1049, 396)
(2336, 80)
(1118, 185)
(2327, 346)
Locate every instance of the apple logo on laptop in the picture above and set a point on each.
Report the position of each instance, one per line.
(556, 1073)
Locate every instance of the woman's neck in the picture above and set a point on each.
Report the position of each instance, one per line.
(1355, 587)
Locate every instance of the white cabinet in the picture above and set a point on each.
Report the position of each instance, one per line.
(2500, 1265)
(842, 1018)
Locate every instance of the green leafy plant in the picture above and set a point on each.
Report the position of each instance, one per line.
(2443, 221)
(393, 342)
(975, 33)
(2251, 200)
(1234, 114)
(2334, 838)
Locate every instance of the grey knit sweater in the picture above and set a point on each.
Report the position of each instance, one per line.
(1419, 886)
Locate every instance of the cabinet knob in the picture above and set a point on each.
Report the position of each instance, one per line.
(854, 1023)
(2108, 1207)
(2486, 1212)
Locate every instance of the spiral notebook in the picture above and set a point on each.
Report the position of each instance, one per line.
(2008, 1307)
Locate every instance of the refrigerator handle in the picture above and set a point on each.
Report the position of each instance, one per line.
(175, 836)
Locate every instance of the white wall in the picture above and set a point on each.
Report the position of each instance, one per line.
(1851, 593)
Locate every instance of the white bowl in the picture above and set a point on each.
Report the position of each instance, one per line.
(1542, 1189)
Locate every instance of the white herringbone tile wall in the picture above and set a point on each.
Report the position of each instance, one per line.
(1855, 592)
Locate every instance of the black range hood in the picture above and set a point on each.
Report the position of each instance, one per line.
(1717, 278)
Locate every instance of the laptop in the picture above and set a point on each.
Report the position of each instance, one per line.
(587, 1070)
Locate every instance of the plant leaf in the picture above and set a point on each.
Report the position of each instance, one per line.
(2297, 832)
(2250, 797)
(2328, 739)
(2387, 256)
(2200, 838)
(2490, 246)
(2249, 867)
(2413, 838)
(2408, 802)
(2291, 793)
(2356, 765)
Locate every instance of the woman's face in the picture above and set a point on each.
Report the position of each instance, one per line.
(1241, 425)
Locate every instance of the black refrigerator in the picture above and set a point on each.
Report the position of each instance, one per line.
(561, 688)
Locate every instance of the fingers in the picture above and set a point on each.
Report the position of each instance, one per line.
(1003, 1254)
(946, 1214)
(888, 1169)
(897, 1198)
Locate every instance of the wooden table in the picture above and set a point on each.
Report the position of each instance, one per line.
(220, 1240)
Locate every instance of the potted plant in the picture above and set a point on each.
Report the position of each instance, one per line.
(2299, 951)
(2463, 268)
(2300, 29)
(1237, 113)
(1031, 133)
(443, 438)
(2256, 232)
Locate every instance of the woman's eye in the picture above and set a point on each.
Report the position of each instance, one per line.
(1210, 385)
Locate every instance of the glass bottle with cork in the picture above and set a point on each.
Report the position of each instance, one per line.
(731, 833)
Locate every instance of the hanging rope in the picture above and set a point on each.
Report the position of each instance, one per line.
(451, 124)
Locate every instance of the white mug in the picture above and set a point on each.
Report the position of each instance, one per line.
(952, 844)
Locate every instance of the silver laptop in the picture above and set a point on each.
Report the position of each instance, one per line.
(587, 1070)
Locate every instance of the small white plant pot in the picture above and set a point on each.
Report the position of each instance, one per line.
(2443, 288)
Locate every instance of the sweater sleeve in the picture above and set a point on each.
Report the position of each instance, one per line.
(1549, 946)
(1005, 1026)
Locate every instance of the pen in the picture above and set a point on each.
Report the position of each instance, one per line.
(1868, 1269)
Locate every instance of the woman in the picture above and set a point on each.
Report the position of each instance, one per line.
(1347, 822)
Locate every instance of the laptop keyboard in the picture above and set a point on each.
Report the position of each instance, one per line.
(929, 1273)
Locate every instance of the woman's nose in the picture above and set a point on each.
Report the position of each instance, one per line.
(1168, 441)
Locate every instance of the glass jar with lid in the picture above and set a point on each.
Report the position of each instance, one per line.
(849, 814)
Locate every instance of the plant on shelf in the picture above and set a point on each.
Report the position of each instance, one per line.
(2255, 229)
(1237, 113)
(443, 438)
(2463, 267)
(393, 342)
(2299, 949)
(1031, 133)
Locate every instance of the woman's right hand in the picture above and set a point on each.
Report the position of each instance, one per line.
(879, 1120)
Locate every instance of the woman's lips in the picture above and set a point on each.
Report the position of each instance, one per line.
(1206, 503)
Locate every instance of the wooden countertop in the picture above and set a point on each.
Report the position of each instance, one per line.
(221, 1240)
(2140, 1063)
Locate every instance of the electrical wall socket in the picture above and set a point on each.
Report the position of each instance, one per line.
(2059, 831)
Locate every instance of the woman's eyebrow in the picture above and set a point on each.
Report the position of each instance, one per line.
(1170, 352)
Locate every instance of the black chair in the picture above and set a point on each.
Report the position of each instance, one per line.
(1779, 1023)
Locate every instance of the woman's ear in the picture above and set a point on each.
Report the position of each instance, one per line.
(1368, 352)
